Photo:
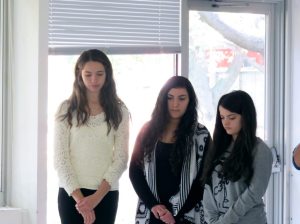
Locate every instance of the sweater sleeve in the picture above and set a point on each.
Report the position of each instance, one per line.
(120, 155)
(62, 161)
(194, 197)
(262, 168)
(211, 212)
(137, 177)
(196, 192)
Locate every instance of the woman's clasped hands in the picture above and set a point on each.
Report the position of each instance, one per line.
(86, 208)
(162, 213)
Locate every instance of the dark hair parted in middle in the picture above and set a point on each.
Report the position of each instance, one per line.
(239, 163)
(160, 118)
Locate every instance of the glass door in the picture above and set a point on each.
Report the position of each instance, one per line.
(227, 52)
(230, 48)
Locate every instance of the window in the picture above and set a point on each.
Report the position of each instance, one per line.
(137, 35)
(138, 81)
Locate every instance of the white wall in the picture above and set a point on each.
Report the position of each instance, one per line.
(27, 186)
(295, 106)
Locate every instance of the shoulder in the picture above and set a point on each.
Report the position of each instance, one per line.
(144, 130)
(124, 110)
(261, 145)
(262, 150)
(200, 129)
(201, 134)
(296, 149)
(125, 114)
(296, 157)
(145, 127)
(63, 108)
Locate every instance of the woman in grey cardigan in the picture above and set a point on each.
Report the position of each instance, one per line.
(238, 167)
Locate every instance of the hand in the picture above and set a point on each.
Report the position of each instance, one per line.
(89, 217)
(87, 203)
(162, 213)
(167, 217)
(158, 210)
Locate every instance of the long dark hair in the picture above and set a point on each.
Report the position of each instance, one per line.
(108, 98)
(239, 163)
(160, 119)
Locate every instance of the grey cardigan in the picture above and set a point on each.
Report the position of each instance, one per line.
(227, 202)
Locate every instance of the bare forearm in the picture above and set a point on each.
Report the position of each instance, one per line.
(77, 195)
(103, 189)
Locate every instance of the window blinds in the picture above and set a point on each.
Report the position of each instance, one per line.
(115, 26)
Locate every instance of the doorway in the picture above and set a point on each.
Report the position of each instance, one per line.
(238, 45)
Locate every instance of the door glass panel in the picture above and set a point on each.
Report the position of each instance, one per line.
(226, 52)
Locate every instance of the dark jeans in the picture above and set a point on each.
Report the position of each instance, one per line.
(105, 211)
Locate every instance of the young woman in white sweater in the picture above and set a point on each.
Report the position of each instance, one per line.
(91, 143)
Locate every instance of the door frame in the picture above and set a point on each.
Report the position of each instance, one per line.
(277, 198)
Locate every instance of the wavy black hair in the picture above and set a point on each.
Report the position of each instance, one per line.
(160, 118)
(240, 162)
(108, 98)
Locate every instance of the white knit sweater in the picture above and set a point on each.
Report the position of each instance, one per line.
(85, 155)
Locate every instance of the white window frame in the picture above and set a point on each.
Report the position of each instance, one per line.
(2, 77)
(5, 99)
(274, 9)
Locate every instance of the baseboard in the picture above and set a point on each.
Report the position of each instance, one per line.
(11, 215)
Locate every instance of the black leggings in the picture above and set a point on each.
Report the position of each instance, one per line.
(105, 211)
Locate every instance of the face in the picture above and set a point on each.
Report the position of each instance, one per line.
(178, 100)
(232, 122)
(93, 76)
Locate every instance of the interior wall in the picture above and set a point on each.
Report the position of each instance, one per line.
(27, 183)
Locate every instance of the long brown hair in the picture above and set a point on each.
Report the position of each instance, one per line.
(108, 98)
